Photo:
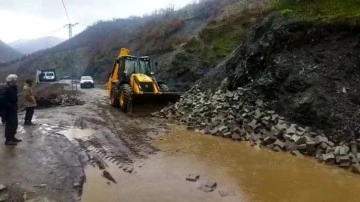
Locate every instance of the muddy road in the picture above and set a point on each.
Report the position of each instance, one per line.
(93, 153)
(71, 147)
(50, 161)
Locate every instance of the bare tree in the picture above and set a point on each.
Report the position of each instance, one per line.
(171, 7)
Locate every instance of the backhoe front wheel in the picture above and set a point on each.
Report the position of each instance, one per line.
(124, 98)
(114, 99)
(164, 88)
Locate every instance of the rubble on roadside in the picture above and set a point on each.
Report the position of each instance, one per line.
(53, 95)
(59, 100)
(238, 115)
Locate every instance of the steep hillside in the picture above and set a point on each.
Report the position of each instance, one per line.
(26, 46)
(169, 38)
(304, 66)
(186, 43)
(7, 53)
(215, 41)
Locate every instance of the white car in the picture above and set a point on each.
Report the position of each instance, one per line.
(49, 76)
(87, 82)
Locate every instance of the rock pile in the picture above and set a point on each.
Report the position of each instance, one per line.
(242, 117)
(61, 100)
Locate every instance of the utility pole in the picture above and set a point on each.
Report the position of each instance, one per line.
(71, 53)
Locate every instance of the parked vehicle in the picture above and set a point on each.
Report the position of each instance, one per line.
(50, 76)
(87, 82)
(45, 75)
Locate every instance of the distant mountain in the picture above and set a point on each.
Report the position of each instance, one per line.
(27, 46)
(7, 53)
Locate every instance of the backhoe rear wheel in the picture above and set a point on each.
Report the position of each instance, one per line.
(164, 88)
(114, 99)
(124, 98)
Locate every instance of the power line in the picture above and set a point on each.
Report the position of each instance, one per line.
(67, 15)
(71, 53)
(70, 26)
(53, 31)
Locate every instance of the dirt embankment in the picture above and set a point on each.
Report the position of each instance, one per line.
(307, 71)
(52, 95)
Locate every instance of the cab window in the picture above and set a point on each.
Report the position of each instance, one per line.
(130, 64)
(144, 67)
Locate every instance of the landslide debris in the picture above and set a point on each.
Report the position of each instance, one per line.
(292, 85)
(307, 71)
(241, 116)
(52, 95)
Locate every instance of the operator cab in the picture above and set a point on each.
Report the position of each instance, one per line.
(144, 66)
(129, 65)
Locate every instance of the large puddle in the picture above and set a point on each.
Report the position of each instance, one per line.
(265, 175)
(159, 179)
(255, 175)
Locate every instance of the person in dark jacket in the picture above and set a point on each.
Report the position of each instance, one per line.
(2, 117)
(10, 110)
(2, 87)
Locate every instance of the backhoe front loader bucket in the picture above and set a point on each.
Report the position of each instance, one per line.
(150, 102)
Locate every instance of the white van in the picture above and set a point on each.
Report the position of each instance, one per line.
(49, 76)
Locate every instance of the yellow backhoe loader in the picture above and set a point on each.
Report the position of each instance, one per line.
(132, 82)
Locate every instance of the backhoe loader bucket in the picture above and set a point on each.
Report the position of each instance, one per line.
(150, 102)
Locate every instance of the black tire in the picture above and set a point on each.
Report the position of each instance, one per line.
(126, 91)
(164, 88)
(114, 99)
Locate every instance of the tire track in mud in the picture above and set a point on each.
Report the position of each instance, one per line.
(105, 134)
(135, 138)
(110, 142)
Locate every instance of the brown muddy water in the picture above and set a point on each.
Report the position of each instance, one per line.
(254, 174)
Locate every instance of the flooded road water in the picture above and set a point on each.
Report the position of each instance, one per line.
(264, 175)
(254, 174)
(160, 178)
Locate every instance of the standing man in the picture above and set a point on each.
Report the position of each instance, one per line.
(10, 109)
(2, 114)
(29, 101)
(2, 105)
(38, 76)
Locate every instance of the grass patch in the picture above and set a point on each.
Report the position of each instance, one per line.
(224, 45)
(315, 9)
(215, 42)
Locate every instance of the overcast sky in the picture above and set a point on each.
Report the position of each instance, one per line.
(27, 19)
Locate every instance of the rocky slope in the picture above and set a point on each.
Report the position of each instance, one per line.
(290, 86)
(307, 70)
(7, 53)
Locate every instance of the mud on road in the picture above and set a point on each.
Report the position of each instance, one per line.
(50, 161)
(93, 153)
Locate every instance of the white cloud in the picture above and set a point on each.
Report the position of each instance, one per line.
(28, 19)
